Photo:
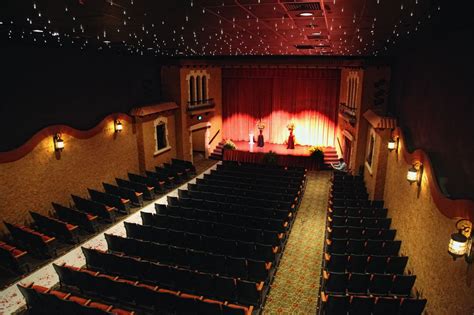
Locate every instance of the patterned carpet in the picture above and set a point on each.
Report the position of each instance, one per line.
(296, 284)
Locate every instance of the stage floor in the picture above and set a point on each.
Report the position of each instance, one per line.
(279, 149)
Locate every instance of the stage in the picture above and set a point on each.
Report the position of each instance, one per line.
(299, 156)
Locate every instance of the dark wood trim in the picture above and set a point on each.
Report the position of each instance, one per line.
(451, 208)
(30, 145)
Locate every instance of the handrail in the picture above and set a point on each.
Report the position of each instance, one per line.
(214, 136)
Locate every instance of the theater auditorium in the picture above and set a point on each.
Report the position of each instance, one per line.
(241, 157)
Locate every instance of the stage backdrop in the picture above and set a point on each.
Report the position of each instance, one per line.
(308, 97)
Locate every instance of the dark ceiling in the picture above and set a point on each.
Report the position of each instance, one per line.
(213, 28)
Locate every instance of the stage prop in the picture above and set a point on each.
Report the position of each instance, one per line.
(308, 97)
(291, 137)
(260, 127)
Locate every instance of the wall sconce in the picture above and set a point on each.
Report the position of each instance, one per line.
(58, 142)
(415, 173)
(393, 144)
(460, 243)
(118, 126)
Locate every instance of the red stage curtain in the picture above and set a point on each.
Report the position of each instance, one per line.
(308, 97)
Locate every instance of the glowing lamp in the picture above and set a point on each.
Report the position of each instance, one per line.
(457, 245)
(305, 14)
(415, 173)
(392, 144)
(199, 117)
(412, 175)
(460, 243)
(58, 142)
(118, 126)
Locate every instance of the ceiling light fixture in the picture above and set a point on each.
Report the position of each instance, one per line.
(305, 14)
(37, 31)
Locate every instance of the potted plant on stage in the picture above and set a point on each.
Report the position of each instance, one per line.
(317, 153)
(291, 137)
(270, 158)
(229, 145)
(260, 127)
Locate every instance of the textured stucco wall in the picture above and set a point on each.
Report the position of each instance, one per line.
(39, 178)
(425, 234)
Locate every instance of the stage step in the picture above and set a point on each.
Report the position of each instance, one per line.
(217, 154)
(330, 156)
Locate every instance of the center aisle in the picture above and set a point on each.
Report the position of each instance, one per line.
(296, 284)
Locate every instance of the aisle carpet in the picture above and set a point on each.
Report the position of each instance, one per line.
(296, 284)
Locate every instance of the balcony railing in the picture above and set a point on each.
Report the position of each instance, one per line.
(200, 104)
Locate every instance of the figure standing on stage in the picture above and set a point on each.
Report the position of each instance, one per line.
(260, 126)
(291, 138)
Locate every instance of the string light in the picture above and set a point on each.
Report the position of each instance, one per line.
(240, 34)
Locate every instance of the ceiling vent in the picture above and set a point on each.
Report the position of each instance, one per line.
(303, 6)
(304, 46)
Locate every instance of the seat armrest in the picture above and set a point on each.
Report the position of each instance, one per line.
(260, 286)
(50, 239)
(324, 297)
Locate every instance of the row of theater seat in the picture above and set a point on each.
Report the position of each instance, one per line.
(58, 228)
(366, 305)
(210, 181)
(366, 222)
(213, 229)
(274, 176)
(362, 272)
(357, 246)
(365, 263)
(226, 210)
(13, 258)
(211, 220)
(368, 284)
(150, 298)
(216, 245)
(42, 300)
(233, 191)
(262, 169)
(37, 242)
(259, 181)
(239, 267)
(235, 208)
(361, 212)
(359, 232)
(232, 290)
(242, 200)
